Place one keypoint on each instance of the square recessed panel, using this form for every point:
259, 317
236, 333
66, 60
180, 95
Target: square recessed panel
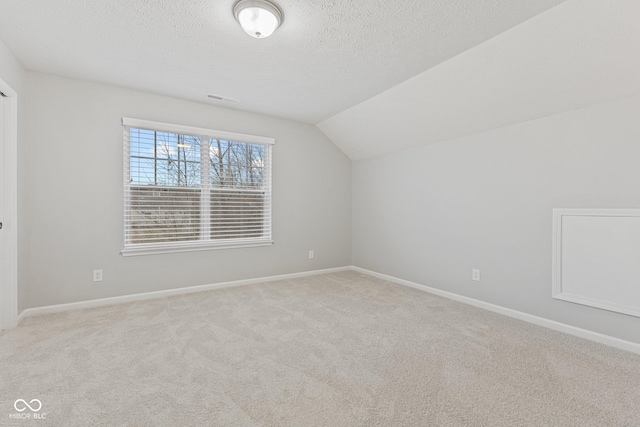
596, 258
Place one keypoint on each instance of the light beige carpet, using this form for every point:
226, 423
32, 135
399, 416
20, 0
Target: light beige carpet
340, 349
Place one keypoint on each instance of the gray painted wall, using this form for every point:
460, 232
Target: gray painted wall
431, 214
427, 215
74, 195
12, 72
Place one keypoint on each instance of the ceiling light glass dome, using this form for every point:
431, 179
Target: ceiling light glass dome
258, 18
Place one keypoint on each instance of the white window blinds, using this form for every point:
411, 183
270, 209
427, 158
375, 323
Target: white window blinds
190, 188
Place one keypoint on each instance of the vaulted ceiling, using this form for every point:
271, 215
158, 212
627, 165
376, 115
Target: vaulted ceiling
579, 53
376, 76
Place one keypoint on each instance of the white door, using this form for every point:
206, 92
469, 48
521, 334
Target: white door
1, 212
8, 208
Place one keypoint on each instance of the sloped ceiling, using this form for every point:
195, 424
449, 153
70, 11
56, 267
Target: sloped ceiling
579, 53
326, 57
376, 76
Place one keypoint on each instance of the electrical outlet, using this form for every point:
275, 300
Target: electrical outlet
97, 275
311, 255
475, 275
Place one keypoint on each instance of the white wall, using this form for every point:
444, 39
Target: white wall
12, 72
74, 195
10, 69
432, 213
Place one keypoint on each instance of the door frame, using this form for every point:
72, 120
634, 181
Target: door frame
9, 282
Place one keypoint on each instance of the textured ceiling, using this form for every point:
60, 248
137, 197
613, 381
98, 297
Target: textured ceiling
579, 53
327, 56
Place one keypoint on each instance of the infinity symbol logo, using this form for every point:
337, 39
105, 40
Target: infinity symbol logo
26, 405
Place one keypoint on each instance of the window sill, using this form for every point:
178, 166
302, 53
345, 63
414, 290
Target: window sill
136, 250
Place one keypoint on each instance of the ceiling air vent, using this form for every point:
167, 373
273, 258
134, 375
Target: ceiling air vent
221, 98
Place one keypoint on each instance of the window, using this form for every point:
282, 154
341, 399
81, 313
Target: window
189, 188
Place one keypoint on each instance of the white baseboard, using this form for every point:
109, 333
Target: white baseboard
540, 321
29, 312
23, 315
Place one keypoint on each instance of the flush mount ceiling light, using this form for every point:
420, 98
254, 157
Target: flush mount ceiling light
258, 18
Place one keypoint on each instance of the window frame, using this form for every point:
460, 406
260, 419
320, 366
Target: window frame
132, 249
